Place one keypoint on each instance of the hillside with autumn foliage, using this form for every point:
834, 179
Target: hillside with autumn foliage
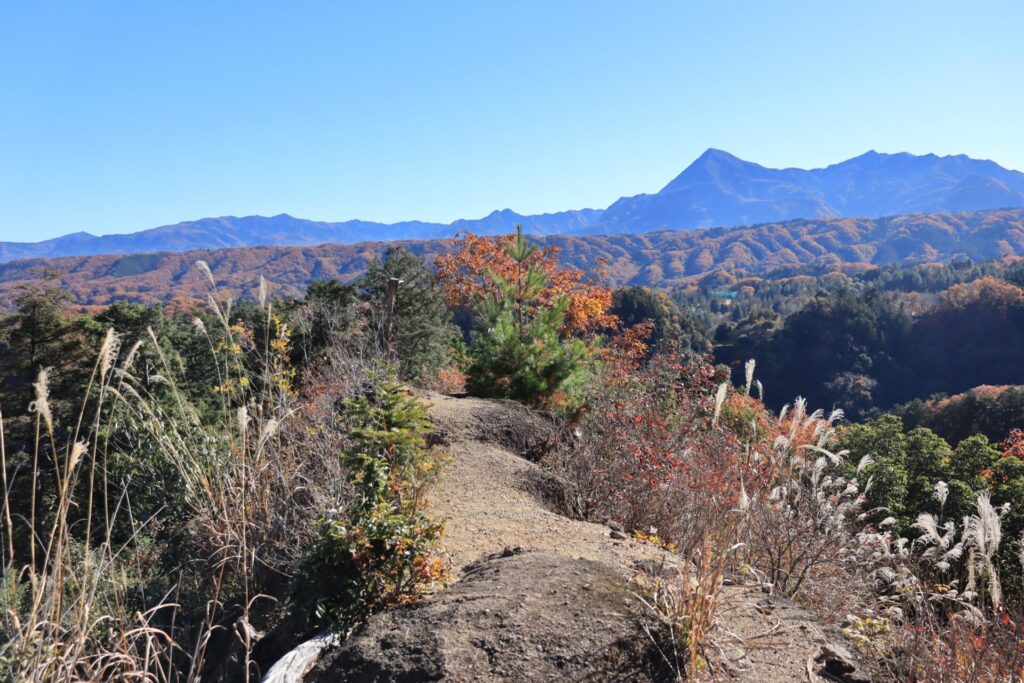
663, 259
299, 449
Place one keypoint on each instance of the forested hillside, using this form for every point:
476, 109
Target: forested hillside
281, 445
867, 341
663, 259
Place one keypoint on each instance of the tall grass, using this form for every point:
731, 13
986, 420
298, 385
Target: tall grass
67, 613
245, 485
738, 493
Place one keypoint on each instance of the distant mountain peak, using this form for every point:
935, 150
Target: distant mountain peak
720, 189
714, 165
714, 153
870, 154
715, 157
717, 189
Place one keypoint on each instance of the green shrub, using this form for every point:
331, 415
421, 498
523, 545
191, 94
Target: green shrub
682, 328
382, 550
517, 350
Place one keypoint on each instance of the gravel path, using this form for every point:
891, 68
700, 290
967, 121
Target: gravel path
539, 596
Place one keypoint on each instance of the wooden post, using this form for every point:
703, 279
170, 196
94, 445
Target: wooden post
389, 314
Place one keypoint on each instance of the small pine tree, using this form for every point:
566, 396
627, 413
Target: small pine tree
517, 351
383, 550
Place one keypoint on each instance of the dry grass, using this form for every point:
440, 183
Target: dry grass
797, 524
252, 481
685, 607
938, 648
733, 490
67, 614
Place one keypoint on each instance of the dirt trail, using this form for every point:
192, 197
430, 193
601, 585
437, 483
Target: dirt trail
489, 497
540, 596
493, 500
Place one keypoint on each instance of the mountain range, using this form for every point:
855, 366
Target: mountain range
664, 258
718, 189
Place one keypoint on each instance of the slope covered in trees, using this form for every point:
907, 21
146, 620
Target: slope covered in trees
664, 259
888, 336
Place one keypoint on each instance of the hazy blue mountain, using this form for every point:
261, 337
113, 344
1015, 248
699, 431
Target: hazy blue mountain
285, 230
718, 189
563, 222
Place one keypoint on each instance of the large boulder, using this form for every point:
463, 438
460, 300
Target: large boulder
516, 617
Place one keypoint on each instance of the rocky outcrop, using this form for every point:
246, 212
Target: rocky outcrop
503, 423
520, 617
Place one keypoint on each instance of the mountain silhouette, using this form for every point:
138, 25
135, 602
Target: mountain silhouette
719, 189
716, 190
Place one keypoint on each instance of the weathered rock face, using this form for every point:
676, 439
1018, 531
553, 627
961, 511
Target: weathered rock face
504, 423
518, 617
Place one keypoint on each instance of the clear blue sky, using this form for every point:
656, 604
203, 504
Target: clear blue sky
116, 117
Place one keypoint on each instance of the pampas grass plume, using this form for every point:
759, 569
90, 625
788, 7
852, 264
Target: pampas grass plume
723, 390
204, 268
41, 406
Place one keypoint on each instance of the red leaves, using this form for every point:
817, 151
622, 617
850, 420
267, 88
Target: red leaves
465, 274
655, 431
1013, 445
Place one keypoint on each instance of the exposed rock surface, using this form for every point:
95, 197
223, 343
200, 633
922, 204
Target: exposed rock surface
529, 616
500, 422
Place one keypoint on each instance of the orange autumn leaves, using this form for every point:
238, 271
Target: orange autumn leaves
985, 290
464, 275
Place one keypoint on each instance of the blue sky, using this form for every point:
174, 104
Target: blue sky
116, 117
